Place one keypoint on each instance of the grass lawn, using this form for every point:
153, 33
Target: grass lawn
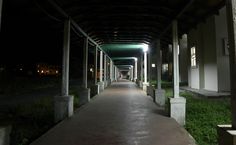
203, 115
31, 121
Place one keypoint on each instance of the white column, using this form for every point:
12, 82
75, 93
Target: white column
149, 72
111, 69
105, 69
132, 73
115, 73
101, 63
145, 67
63, 105
96, 64
141, 72
177, 103
175, 60
159, 63
159, 93
66, 59
85, 63
135, 69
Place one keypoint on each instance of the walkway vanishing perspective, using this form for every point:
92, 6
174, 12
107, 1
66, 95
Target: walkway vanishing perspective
121, 115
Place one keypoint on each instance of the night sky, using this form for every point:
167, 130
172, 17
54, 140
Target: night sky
27, 38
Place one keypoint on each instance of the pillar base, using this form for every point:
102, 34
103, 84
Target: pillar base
94, 90
226, 135
105, 84
177, 109
5, 135
140, 84
150, 91
63, 106
84, 96
160, 97
145, 86
101, 86
108, 82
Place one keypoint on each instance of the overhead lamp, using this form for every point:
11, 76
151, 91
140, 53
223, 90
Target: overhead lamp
145, 47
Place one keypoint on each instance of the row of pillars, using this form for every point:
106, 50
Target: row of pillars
64, 102
177, 103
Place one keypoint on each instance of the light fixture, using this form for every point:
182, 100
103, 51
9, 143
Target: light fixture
145, 47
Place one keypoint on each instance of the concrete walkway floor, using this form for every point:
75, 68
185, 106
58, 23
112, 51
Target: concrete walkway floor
121, 115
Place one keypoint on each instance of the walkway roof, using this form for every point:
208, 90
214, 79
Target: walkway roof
122, 22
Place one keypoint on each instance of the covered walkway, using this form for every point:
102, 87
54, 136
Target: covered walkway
121, 115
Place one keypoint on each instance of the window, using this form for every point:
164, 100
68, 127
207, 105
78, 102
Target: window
165, 68
193, 57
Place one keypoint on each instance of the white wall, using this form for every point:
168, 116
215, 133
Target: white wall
209, 49
204, 76
193, 78
212, 71
222, 59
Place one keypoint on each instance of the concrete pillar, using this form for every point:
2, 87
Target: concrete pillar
101, 83
145, 83
226, 133
85, 92
0, 13
85, 63
111, 70
149, 73
177, 103
5, 131
96, 85
96, 64
101, 64
145, 67
135, 69
131, 73
115, 73
105, 71
64, 104
159, 98
141, 72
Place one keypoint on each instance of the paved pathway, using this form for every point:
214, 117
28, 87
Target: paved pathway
121, 115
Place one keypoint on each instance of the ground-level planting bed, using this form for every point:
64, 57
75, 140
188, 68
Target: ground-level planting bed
32, 120
203, 116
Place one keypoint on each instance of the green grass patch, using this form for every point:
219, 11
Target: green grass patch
203, 116
31, 121
19, 85
74, 91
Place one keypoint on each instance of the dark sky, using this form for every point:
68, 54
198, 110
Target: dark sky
28, 38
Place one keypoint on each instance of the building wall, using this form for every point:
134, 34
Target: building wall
204, 75
222, 58
193, 78
209, 49
212, 71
